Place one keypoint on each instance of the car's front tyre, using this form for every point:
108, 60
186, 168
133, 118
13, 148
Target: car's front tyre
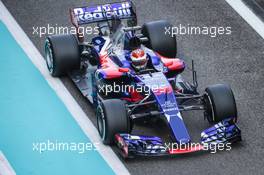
112, 118
219, 103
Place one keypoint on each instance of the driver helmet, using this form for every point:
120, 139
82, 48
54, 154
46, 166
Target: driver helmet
138, 59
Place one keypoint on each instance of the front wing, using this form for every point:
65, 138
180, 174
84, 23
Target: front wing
223, 132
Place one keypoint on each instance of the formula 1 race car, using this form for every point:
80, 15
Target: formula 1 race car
130, 73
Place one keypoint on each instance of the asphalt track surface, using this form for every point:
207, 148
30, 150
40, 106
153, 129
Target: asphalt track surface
236, 59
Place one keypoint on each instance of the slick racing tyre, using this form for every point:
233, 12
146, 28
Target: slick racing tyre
219, 103
159, 40
111, 119
62, 54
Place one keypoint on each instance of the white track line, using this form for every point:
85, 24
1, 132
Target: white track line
5, 167
56, 84
248, 16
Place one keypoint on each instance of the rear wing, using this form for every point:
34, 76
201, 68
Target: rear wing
103, 12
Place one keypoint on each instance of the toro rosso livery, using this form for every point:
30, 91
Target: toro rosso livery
131, 74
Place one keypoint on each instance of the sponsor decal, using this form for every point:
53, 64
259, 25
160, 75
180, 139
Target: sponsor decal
97, 13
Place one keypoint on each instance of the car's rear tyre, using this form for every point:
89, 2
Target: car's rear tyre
111, 119
62, 54
219, 103
160, 40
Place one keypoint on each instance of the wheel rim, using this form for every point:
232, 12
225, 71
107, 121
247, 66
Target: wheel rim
49, 56
101, 122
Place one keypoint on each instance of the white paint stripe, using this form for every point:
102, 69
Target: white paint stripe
248, 16
56, 84
5, 167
